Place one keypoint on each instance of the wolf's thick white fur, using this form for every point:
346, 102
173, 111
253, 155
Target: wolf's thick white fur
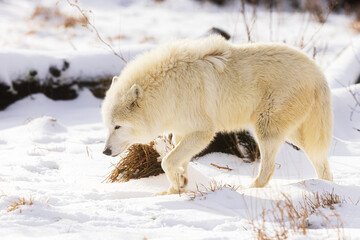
194, 88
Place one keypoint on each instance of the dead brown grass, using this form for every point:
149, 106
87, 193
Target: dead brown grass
59, 18
202, 190
20, 202
324, 200
46, 12
289, 217
147, 39
116, 38
141, 161
30, 32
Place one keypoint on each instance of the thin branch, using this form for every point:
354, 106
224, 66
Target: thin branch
270, 19
355, 54
355, 97
338, 55
244, 19
220, 167
311, 39
93, 28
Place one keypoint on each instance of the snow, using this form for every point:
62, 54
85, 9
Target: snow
30, 43
51, 151
17, 63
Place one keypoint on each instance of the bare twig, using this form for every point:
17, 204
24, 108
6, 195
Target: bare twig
299, 40
220, 167
357, 101
338, 55
355, 54
254, 15
312, 38
314, 52
270, 19
74, 3
355, 96
248, 32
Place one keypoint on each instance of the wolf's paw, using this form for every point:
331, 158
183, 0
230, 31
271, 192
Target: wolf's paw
162, 193
257, 184
177, 177
170, 191
253, 185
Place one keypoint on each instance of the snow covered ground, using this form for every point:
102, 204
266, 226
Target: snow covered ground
51, 151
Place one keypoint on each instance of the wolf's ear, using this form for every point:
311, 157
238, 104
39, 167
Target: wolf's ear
114, 80
135, 92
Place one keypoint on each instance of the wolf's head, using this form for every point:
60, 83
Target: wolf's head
122, 115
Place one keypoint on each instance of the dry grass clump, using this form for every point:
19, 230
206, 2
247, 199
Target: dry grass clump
203, 190
289, 217
141, 161
59, 18
324, 200
20, 202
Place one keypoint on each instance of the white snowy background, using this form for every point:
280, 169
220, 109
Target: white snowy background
51, 151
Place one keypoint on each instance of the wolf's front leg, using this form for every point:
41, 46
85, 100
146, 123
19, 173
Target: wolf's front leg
176, 162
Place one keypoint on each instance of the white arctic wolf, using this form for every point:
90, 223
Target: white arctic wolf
194, 88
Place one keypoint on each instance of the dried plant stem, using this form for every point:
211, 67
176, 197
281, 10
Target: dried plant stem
312, 38
20, 201
270, 19
93, 28
355, 96
220, 167
248, 32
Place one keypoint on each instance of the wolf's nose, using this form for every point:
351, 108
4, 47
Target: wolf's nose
107, 151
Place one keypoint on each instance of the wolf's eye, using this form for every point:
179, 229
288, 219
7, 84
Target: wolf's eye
117, 127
